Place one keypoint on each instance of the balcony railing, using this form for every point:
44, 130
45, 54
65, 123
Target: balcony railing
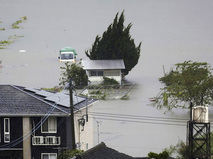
46, 140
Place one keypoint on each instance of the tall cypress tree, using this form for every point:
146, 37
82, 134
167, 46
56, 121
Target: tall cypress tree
116, 43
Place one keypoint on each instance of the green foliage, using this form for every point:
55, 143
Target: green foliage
182, 150
162, 155
125, 97
54, 89
109, 81
189, 82
69, 154
11, 39
15, 25
1, 28
116, 43
76, 73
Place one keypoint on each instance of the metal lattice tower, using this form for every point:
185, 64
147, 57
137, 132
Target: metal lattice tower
199, 140
199, 133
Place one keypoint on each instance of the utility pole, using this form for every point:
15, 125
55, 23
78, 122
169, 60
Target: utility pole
72, 116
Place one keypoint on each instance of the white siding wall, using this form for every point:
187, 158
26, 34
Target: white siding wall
115, 74
84, 135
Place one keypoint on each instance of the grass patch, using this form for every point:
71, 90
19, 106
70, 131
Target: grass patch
10, 40
1, 28
16, 24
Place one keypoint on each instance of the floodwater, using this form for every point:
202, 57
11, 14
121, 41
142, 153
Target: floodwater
170, 31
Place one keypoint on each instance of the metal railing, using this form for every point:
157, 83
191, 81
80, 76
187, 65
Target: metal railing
46, 140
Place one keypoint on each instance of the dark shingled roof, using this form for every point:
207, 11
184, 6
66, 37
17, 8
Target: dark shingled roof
17, 101
101, 151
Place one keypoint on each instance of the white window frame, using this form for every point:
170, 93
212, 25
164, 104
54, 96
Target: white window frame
8, 128
48, 155
48, 127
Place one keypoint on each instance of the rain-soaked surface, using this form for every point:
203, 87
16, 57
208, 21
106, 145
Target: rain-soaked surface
170, 31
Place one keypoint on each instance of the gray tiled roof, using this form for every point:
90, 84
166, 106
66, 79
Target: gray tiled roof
101, 151
16, 101
103, 64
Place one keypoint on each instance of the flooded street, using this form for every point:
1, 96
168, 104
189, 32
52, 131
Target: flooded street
170, 31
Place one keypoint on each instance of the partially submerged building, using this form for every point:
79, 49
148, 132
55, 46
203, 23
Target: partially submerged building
97, 69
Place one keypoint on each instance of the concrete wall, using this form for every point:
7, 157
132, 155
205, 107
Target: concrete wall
26, 141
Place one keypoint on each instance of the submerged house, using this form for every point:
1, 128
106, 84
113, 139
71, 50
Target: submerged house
36, 124
97, 69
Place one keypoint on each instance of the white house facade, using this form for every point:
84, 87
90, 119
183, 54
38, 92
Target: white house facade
97, 69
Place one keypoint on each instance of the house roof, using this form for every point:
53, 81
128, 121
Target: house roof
21, 101
103, 64
103, 152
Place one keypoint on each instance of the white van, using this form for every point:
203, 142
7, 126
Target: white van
67, 54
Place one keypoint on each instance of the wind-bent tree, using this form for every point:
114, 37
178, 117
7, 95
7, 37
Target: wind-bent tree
76, 73
116, 43
190, 82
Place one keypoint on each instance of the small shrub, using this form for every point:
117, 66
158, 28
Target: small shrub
109, 81
162, 155
69, 154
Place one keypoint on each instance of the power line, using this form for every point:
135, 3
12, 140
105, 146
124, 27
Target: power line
138, 116
142, 122
140, 119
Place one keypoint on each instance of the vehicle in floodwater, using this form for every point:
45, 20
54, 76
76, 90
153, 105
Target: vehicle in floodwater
67, 54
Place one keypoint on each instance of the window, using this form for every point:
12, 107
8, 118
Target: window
67, 56
48, 156
96, 73
6, 130
50, 125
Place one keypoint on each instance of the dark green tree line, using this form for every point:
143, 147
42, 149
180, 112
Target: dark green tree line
116, 43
